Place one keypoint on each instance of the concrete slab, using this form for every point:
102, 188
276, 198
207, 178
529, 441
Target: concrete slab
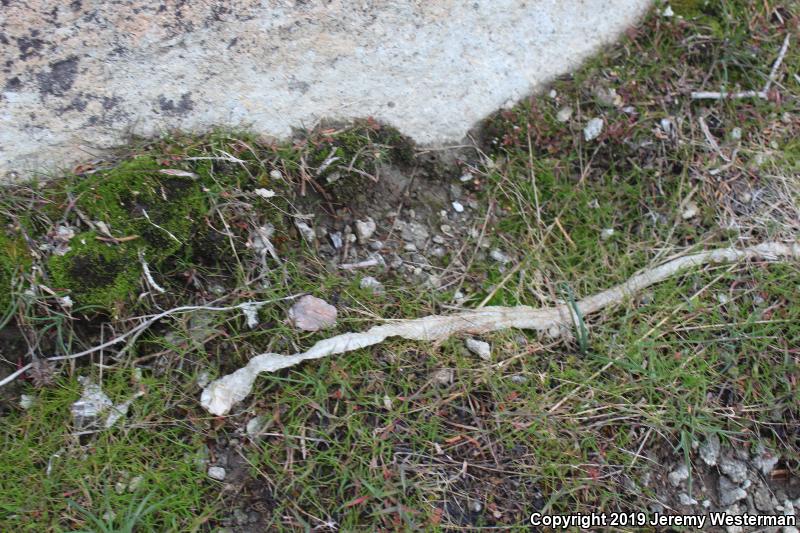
77, 77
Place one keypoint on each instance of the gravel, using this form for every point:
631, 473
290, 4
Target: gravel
709, 450
730, 492
365, 229
678, 476
734, 469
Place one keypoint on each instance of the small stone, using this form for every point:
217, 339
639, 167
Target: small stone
443, 376
519, 379
736, 134
685, 499
25, 401
593, 129
607, 233
709, 450
735, 470
217, 472
414, 232
480, 348
690, 211
438, 239
438, 251
729, 492
764, 460
312, 314
458, 207
135, 483
564, 114
375, 245
678, 476
762, 498
275, 174
255, 426
336, 239
410, 247
372, 284
476, 507
499, 256
306, 231
608, 97
365, 229
667, 12
265, 193
666, 125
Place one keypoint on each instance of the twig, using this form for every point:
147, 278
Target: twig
773, 74
138, 330
762, 94
221, 395
371, 262
724, 95
149, 277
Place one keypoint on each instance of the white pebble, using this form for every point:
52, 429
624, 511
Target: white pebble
480, 348
593, 129
217, 472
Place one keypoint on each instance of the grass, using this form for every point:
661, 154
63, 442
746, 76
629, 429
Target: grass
414, 436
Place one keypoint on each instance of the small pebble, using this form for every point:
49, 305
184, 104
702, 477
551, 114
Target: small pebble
480, 348
593, 129
217, 472
458, 207
365, 229
564, 114
499, 256
372, 284
691, 211
679, 475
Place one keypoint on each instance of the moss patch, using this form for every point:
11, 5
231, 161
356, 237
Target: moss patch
6, 271
347, 161
96, 272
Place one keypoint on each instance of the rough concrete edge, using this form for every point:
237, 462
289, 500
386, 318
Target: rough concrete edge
445, 151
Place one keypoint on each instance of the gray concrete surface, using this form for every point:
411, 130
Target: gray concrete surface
79, 76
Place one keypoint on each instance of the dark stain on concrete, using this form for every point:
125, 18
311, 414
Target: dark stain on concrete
181, 107
59, 79
110, 102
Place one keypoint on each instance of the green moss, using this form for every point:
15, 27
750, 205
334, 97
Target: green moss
6, 272
13, 257
149, 211
135, 198
688, 8
96, 272
346, 160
